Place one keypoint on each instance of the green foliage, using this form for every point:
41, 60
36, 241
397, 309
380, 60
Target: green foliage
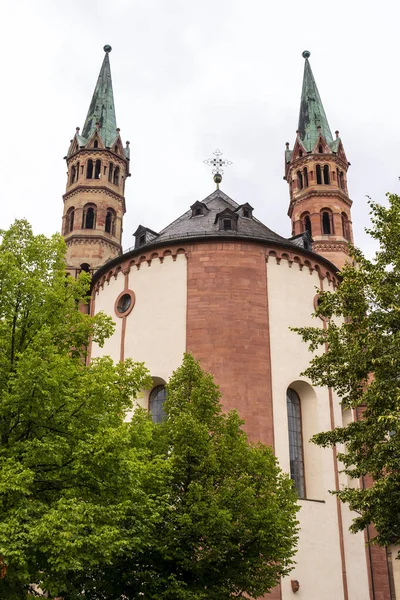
95, 508
362, 363
65, 451
228, 527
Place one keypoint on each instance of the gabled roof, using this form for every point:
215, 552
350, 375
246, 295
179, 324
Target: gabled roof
312, 113
102, 109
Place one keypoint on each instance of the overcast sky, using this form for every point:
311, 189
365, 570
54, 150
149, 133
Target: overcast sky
190, 76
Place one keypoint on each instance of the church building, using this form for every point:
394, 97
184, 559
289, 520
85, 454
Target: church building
217, 282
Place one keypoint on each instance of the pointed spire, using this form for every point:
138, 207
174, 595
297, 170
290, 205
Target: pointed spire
102, 109
312, 114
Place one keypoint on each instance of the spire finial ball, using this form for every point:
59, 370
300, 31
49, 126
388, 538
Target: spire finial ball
306, 54
107, 48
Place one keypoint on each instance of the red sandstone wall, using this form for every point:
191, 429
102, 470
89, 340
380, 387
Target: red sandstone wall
228, 330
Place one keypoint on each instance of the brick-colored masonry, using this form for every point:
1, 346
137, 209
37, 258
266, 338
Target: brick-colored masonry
228, 331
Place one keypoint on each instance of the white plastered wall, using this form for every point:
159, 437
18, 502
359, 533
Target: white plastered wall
291, 293
156, 327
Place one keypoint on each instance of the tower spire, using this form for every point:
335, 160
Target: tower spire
312, 114
102, 110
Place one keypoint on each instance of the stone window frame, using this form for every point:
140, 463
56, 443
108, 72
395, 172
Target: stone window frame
127, 292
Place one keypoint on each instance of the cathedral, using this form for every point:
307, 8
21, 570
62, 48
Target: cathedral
220, 284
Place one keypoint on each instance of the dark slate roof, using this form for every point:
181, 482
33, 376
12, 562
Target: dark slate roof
204, 225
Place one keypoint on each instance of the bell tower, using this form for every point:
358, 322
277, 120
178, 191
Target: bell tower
316, 171
98, 165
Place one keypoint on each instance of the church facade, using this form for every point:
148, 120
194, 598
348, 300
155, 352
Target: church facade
220, 284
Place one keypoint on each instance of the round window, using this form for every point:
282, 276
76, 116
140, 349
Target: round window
124, 303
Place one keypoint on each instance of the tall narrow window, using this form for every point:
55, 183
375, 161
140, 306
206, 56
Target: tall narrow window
110, 172
326, 223
110, 221
97, 170
116, 176
295, 442
299, 180
77, 171
305, 177
319, 174
307, 224
341, 179
69, 220
157, 398
95, 144
89, 217
89, 169
345, 227
320, 149
326, 175
73, 174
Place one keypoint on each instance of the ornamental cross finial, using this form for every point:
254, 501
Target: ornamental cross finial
217, 165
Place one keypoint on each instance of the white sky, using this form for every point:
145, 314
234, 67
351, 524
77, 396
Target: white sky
189, 77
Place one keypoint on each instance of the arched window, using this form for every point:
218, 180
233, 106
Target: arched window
110, 221
85, 267
157, 398
77, 171
295, 442
89, 169
345, 227
326, 175
327, 225
305, 177
319, 174
69, 220
300, 153
116, 176
95, 144
116, 148
110, 172
299, 180
73, 174
89, 217
97, 170
341, 180
307, 224
320, 149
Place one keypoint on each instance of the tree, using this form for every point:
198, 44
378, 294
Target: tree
362, 363
228, 529
65, 452
96, 508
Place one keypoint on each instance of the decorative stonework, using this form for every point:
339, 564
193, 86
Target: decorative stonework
126, 264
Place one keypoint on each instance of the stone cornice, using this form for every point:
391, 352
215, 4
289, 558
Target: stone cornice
94, 190
137, 256
310, 193
96, 239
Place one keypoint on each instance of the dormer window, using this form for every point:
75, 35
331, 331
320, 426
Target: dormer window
144, 235
227, 224
198, 209
245, 210
227, 220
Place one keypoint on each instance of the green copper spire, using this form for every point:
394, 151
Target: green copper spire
102, 109
312, 112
